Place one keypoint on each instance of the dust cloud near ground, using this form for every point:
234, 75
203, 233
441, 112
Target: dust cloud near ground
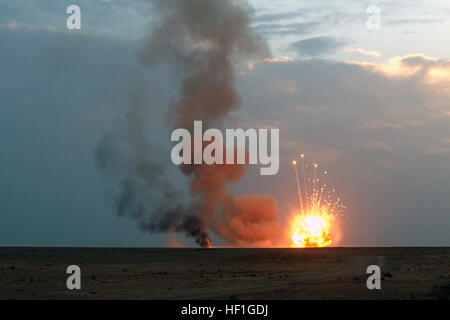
219, 273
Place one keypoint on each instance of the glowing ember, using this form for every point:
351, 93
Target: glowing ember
318, 206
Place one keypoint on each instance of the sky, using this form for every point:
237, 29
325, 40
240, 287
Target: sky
370, 106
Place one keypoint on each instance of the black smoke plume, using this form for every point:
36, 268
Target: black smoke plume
201, 41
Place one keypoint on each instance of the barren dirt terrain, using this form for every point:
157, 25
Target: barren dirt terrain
190, 273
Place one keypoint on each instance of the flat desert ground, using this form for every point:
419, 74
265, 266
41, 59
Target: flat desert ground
222, 273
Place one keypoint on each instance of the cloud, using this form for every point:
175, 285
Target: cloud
370, 53
281, 59
317, 45
122, 19
278, 29
428, 70
378, 145
13, 25
412, 21
381, 129
53, 86
278, 59
358, 105
382, 138
277, 16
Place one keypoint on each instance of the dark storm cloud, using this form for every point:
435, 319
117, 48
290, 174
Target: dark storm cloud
317, 45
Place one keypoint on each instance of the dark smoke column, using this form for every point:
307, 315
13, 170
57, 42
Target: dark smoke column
202, 40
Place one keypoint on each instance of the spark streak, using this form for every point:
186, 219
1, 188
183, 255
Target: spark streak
298, 186
311, 227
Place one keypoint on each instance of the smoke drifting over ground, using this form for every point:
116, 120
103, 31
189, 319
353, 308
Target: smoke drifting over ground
201, 41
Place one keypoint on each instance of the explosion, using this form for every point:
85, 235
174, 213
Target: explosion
201, 52
311, 231
312, 226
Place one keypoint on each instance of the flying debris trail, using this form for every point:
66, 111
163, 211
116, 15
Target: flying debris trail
299, 189
201, 41
302, 156
316, 201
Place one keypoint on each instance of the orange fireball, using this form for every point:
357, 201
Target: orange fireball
311, 231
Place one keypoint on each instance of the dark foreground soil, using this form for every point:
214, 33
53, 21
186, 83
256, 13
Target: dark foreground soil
189, 273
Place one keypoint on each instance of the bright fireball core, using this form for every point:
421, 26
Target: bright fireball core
311, 231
